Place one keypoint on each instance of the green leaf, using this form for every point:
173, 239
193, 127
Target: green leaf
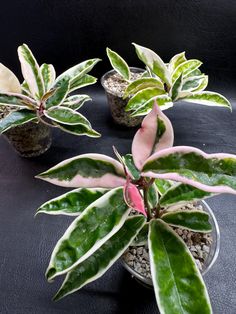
176, 88
154, 62
209, 99
164, 102
214, 173
186, 68
182, 193
17, 100
31, 71
72, 203
118, 64
196, 72
88, 170
25, 89
76, 101
193, 83
97, 264
141, 84
82, 82
142, 236
88, 232
16, 118
129, 162
48, 74
152, 196
203, 84
178, 285
176, 61
141, 98
163, 185
66, 116
192, 220
78, 130
78, 71
62, 90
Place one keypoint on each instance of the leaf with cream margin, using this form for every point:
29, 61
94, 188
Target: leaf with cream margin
16, 118
79, 129
48, 74
142, 236
214, 173
88, 232
75, 102
141, 84
208, 99
176, 61
72, 203
176, 88
88, 170
118, 64
9, 83
62, 89
181, 193
178, 284
156, 133
83, 81
154, 62
133, 198
17, 100
31, 71
193, 83
163, 185
97, 264
186, 68
129, 163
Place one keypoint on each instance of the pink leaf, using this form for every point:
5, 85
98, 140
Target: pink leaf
133, 197
147, 140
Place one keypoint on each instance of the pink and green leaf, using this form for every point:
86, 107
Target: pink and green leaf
133, 198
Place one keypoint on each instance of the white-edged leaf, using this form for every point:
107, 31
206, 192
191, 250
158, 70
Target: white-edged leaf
9, 83
118, 64
48, 74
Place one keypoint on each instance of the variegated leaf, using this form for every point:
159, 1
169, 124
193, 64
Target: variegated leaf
155, 134
176, 88
88, 170
83, 81
31, 71
88, 232
193, 83
8, 81
141, 84
186, 68
48, 74
118, 64
131, 168
163, 185
76, 101
133, 198
214, 173
16, 118
176, 61
78, 129
60, 94
17, 100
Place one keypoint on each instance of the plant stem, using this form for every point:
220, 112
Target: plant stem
145, 197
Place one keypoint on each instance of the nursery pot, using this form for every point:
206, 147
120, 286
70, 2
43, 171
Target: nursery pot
30, 139
209, 262
115, 98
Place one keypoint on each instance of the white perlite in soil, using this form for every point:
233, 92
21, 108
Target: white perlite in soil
198, 243
3, 111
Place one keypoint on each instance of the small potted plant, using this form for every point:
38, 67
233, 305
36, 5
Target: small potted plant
115, 83
29, 110
117, 204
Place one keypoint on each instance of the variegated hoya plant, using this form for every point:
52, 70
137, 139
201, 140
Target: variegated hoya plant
149, 182
44, 97
180, 79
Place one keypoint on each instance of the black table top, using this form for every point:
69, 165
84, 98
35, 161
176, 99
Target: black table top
26, 242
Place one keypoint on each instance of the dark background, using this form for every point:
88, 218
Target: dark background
66, 32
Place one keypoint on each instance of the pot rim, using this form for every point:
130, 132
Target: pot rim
216, 249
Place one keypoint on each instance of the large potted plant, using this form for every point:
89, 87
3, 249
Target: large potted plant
117, 203
42, 101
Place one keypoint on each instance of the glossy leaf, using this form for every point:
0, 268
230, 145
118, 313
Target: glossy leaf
193, 83
31, 71
76, 101
133, 198
142, 236
186, 68
78, 130
97, 264
152, 196
25, 89
163, 185
17, 101
182, 193
72, 203
16, 118
82, 82
141, 84
88, 232
9, 83
214, 173
156, 133
66, 116
208, 99
194, 220
118, 64
88, 170
164, 102
178, 285
176, 88
129, 163
176, 61
62, 90
48, 74
141, 98
154, 62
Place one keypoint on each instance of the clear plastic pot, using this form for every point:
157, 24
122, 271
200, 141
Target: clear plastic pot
30, 139
211, 258
117, 104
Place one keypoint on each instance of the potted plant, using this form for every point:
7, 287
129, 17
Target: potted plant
152, 182
42, 101
115, 83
